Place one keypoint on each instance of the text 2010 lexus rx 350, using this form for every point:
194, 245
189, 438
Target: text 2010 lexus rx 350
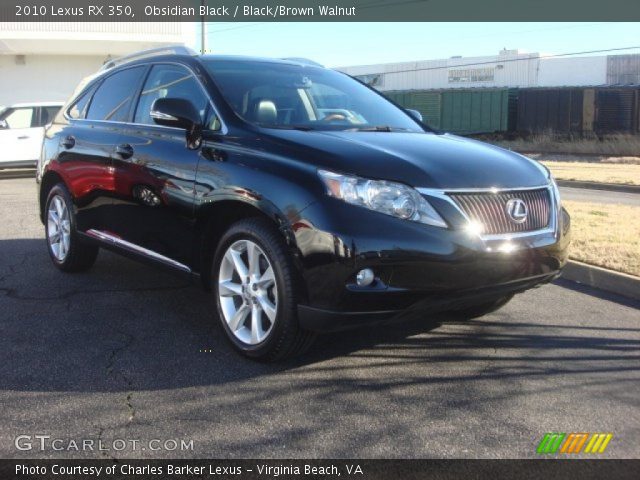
304, 200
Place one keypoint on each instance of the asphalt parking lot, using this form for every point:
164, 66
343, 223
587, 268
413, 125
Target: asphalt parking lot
130, 352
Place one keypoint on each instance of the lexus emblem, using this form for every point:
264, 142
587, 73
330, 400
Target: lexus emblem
517, 210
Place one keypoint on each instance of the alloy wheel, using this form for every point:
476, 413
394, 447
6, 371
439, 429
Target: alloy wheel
59, 228
247, 292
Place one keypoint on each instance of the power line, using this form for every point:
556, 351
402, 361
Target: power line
521, 32
378, 3
510, 60
259, 24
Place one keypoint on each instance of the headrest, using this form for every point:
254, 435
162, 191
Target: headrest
265, 112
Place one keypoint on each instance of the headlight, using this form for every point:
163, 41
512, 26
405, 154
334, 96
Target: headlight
392, 198
556, 191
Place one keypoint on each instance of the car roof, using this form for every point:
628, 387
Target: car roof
250, 59
36, 104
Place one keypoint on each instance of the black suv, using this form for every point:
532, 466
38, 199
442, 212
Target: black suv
303, 199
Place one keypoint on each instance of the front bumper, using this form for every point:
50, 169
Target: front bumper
418, 268
322, 320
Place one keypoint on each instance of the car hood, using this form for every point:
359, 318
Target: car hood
418, 159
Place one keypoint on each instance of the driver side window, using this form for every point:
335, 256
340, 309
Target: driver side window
19, 118
172, 81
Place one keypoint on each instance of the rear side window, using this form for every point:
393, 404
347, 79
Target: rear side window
47, 114
79, 108
112, 100
169, 81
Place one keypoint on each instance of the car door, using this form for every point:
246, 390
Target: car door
88, 144
155, 171
19, 136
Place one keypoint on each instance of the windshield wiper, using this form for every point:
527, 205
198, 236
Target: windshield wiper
303, 128
378, 128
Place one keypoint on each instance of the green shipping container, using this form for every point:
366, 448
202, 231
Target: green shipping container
426, 102
478, 111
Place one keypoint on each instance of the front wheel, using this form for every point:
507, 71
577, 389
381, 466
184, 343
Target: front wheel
67, 250
255, 292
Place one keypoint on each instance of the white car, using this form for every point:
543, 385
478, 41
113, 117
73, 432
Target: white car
22, 131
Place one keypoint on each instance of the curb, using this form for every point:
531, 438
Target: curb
21, 173
603, 279
612, 187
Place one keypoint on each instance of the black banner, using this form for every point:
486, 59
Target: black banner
316, 10
348, 469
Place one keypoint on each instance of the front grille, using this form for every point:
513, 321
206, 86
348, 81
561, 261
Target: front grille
490, 210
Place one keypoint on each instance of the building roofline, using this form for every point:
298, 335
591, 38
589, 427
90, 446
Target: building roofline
35, 104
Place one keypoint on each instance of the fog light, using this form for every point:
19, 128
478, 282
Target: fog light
365, 277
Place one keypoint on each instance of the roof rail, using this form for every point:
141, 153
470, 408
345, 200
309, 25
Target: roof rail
169, 49
303, 61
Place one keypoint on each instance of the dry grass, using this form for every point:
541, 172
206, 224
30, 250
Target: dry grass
606, 235
572, 157
609, 145
626, 173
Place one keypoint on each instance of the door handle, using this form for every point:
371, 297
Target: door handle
23, 137
125, 150
68, 142
215, 154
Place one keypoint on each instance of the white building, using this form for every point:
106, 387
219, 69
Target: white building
44, 61
509, 68
572, 71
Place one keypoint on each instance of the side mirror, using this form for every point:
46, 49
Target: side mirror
175, 112
4, 125
415, 114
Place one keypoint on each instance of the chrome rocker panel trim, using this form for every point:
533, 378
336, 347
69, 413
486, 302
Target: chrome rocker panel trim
108, 238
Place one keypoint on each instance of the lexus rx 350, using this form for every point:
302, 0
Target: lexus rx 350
304, 200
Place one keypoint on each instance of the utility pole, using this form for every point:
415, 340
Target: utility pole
203, 31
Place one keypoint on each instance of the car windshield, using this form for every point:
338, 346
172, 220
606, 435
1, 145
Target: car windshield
281, 95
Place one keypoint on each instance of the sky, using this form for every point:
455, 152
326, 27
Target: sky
346, 44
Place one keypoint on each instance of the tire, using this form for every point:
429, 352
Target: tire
258, 313
482, 309
71, 253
